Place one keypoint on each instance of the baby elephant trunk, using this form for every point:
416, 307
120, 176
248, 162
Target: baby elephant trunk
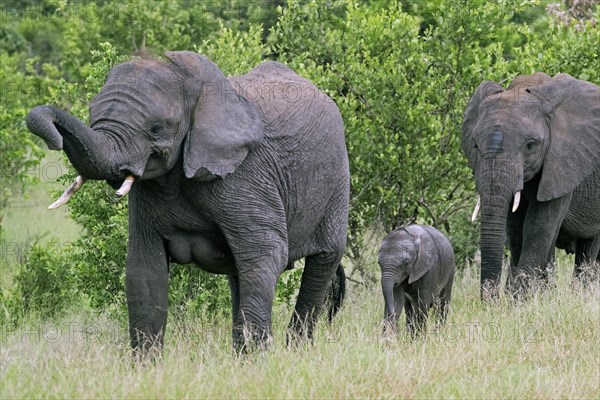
390, 318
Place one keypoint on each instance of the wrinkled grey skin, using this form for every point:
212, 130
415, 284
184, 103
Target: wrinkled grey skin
239, 175
417, 271
541, 136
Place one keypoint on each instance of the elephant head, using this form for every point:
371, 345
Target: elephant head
150, 114
539, 127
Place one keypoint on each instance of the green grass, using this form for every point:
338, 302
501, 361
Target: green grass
546, 347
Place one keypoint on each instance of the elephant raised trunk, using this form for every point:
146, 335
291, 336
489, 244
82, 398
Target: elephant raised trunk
87, 149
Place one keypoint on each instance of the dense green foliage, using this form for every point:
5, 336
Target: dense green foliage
400, 74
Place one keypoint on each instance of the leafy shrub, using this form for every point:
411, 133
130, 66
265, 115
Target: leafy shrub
44, 285
21, 87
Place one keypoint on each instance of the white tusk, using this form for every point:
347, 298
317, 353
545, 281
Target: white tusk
75, 186
126, 186
516, 201
476, 210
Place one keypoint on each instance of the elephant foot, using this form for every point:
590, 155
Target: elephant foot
146, 348
524, 285
251, 338
586, 275
149, 356
490, 291
300, 331
390, 328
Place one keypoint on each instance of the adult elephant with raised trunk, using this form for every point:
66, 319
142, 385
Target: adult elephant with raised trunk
240, 175
535, 153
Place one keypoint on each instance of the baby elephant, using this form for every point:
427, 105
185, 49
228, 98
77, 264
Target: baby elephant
417, 269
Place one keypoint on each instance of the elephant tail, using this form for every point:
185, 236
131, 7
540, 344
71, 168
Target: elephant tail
336, 293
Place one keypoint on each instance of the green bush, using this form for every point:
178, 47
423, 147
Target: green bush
44, 285
21, 87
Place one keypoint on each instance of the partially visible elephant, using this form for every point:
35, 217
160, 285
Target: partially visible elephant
587, 251
240, 175
537, 142
417, 271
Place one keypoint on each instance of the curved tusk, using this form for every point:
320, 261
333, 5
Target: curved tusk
126, 186
476, 210
516, 201
75, 186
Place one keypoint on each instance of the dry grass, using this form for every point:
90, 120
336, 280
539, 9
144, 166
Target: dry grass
547, 347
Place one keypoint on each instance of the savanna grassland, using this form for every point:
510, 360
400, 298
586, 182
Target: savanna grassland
546, 347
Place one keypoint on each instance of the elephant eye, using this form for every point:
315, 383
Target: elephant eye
531, 144
156, 128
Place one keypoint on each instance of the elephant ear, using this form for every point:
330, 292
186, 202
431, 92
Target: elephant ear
573, 110
224, 125
424, 262
470, 119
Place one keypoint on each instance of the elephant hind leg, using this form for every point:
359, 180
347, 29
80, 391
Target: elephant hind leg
444, 301
587, 251
319, 270
336, 293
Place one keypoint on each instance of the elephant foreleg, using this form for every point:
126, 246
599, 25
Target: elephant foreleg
514, 231
417, 310
540, 231
147, 289
258, 269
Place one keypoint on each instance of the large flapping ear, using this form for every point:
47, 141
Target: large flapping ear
224, 127
425, 259
573, 109
471, 118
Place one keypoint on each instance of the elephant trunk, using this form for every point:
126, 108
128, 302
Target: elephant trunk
89, 151
388, 279
500, 181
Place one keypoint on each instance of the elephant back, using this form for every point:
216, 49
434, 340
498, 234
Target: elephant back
290, 104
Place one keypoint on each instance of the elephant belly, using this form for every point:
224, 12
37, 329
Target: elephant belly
206, 253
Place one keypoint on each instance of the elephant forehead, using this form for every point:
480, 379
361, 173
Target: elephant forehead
507, 115
145, 76
401, 241
137, 91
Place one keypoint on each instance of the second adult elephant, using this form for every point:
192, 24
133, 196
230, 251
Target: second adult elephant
240, 175
535, 153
